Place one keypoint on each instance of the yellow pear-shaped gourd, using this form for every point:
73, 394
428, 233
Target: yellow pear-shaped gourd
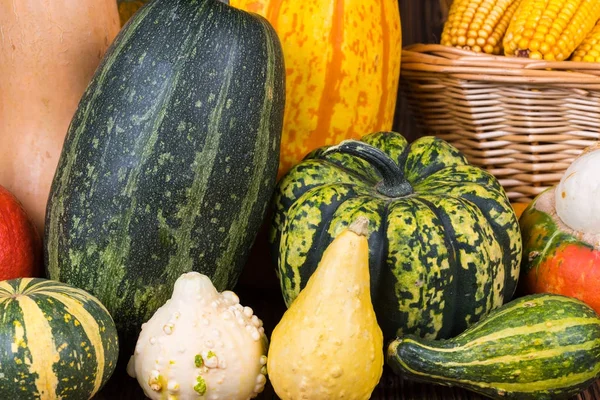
328, 344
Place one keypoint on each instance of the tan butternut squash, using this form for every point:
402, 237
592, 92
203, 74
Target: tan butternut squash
49, 50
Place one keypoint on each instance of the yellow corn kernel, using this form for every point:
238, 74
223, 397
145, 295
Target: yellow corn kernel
550, 29
478, 25
589, 49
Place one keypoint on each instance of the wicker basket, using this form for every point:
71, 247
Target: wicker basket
522, 120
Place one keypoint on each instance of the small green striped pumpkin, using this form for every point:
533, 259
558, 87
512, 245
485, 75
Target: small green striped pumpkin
59, 342
537, 347
444, 241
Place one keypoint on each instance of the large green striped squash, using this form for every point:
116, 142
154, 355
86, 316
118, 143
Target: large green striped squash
444, 240
536, 347
171, 159
58, 342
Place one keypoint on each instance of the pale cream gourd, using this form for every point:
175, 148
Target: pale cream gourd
577, 195
49, 51
328, 344
201, 344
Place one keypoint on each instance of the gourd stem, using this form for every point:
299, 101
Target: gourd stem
360, 226
394, 183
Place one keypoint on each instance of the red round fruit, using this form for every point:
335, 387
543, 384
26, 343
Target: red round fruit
20, 244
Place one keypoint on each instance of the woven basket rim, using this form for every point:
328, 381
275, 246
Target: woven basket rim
467, 65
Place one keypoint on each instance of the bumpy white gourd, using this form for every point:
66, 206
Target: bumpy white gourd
578, 193
201, 344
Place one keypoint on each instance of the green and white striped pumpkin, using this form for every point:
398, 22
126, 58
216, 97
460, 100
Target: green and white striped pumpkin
58, 342
538, 347
444, 241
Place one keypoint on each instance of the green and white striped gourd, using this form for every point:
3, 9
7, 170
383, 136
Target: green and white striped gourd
58, 342
538, 347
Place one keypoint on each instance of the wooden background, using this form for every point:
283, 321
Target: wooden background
426, 17
259, 288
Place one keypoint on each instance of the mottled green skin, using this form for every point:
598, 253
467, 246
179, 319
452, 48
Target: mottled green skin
76, 368
440, 258
540, 346
171, 159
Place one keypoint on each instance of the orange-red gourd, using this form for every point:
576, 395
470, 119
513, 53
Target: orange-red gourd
561, 235
20, 245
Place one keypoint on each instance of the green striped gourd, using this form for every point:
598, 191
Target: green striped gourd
58, 342
170, 160
540, 347
444, 241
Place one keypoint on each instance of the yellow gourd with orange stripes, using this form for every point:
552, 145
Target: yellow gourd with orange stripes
343, 66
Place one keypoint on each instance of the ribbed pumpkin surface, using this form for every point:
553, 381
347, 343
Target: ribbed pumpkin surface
58, 342
441, 256
171, 159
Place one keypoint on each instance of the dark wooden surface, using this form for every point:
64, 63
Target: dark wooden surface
390, 388
259, 289
269, 306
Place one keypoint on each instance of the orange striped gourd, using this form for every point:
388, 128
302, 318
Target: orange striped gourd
550, 29
343, 66
478, 25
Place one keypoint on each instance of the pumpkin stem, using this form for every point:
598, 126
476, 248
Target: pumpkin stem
393, 184
224, 1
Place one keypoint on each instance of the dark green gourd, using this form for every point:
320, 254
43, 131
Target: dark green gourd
537, 347
171, 158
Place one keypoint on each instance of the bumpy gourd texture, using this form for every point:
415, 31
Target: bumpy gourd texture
440, 258
328, 344
201, 343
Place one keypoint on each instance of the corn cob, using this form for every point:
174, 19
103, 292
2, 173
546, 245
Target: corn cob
478, 25
589, 49
550, 29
